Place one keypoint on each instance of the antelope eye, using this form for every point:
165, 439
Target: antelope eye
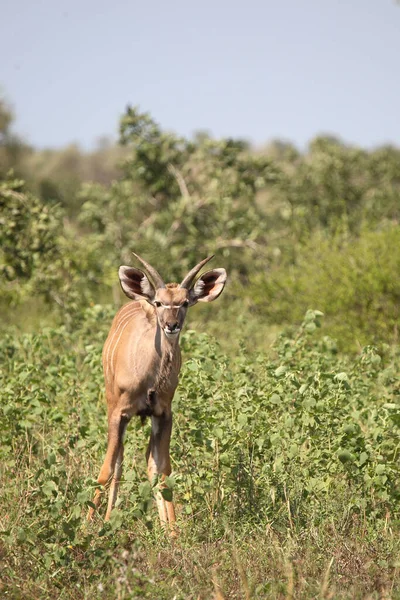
157, 303
185, 303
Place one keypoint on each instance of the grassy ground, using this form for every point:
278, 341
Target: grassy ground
285, 474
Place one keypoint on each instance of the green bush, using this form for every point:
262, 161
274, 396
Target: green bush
294, 230
41, 257
352, 280
293, 443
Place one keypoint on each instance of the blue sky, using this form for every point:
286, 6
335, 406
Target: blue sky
260, 69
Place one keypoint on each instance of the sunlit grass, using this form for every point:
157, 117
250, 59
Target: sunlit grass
268, 503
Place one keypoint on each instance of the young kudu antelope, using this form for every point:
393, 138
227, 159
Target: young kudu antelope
141, 363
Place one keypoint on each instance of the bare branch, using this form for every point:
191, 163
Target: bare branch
180, 181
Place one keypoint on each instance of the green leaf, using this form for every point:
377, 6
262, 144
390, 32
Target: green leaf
170, 481
192, 366
341, 377
275, 399
280, 371
345, 456
242, 419
166, 493
145, 490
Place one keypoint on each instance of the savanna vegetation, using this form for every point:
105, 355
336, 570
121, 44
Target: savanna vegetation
286, 438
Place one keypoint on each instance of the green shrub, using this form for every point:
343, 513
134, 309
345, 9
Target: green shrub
303, 444
353, 281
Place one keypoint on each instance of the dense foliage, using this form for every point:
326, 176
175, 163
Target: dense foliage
286, 441
295, 231
298, 449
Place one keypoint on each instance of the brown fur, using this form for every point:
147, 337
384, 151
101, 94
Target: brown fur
141, 364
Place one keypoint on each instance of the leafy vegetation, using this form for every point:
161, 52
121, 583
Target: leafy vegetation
286, 225
286, 434
296, 453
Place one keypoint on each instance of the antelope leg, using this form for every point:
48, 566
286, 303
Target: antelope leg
158, 463
112, 466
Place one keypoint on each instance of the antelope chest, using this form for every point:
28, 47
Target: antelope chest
149, 386
141, 367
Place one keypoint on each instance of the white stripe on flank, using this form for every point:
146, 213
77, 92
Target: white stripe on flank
108, 342
127, 308
122, 319
119, 337
111, 347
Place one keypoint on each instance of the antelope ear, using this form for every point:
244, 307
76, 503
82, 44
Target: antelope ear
208, 287
135, 284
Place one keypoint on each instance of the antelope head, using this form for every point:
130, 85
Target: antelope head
171, 300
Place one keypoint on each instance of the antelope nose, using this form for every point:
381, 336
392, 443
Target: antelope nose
172, 326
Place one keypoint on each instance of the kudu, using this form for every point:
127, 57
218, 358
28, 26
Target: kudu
141, 363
